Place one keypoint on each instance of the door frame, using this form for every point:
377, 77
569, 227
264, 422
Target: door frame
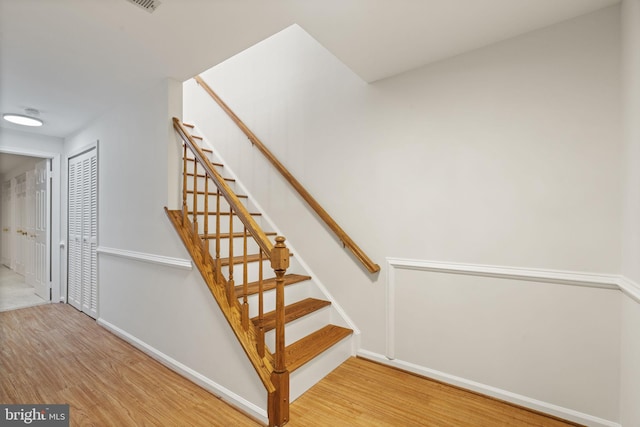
55, 271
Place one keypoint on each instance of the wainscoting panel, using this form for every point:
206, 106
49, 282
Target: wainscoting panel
546, 337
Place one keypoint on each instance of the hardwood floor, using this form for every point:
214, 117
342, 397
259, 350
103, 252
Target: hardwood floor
54, 354
365, 393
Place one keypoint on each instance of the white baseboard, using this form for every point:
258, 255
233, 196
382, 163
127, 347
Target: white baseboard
507, 396
204, 382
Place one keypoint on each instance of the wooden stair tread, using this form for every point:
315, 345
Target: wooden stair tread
240, 259
199, 138
292, 312
235, 235
307, 348
224, 213
213, 163
201, 175
201, 192
269, 284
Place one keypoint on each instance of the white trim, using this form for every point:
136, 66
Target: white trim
57, 292
630, 288
507, 396
82, 150
180, 263
196, 377
28, 152
561, 277
391, 311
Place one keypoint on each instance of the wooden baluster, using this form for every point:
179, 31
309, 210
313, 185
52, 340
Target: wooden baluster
230, 284
245, 289
279, 400
195, 201
218, 273
280, 263
260, 309
184, 184
205, 242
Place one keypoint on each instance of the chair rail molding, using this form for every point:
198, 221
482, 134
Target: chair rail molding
180, 263
559, 277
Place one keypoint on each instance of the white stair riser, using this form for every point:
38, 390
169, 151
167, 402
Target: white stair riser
308, 375
224, 206
238, 247
301, 327
199, 184
238, 226
252, 271
292, 293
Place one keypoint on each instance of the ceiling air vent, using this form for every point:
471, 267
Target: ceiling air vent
148, 5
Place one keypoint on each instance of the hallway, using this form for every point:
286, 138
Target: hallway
14, 291
55, 353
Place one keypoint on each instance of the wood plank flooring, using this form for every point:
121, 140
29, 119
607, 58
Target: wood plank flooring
54, 354
364, 393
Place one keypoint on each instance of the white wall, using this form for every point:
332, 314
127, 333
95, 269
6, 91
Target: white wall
16, 142
28, 165
508, 155
630, 317
162, 308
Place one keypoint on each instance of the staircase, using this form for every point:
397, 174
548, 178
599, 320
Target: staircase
280, 320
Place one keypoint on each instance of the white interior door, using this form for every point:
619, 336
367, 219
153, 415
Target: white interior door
7, 223
19, 188
30, 229
83, 233
42, 219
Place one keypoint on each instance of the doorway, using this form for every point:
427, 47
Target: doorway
25, 216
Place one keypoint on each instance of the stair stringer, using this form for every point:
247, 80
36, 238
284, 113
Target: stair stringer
311, 373
262, 365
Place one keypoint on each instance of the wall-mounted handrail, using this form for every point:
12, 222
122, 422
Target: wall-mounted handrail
244, 215
340, 233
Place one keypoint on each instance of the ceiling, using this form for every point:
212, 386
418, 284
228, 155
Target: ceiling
74, 59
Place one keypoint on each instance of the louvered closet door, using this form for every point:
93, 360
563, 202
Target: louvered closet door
83, 233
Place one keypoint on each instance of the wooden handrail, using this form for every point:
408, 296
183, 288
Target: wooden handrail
252, 227
340, 233
271, 367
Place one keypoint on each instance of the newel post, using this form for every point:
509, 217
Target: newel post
279, 400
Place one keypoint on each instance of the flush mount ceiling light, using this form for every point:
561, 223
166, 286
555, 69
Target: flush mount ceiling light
24, 120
